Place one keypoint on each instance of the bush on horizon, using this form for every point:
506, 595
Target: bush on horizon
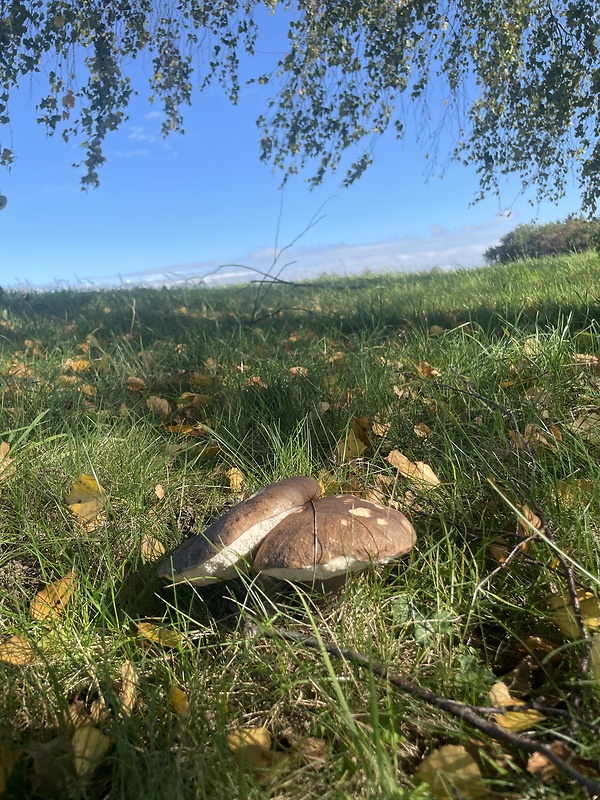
572, 235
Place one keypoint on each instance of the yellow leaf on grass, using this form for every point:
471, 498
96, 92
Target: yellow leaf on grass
158, 634
563, 615
450, 772
422, 430
151, 548
523, 529
77, 364
159, 491
195, 400
253, 749
50, 602
89, 748
425, 370
178, 701
158, 406
6, 463
17, 652
513, 721
128, 687
350, 447
236, 480
420, 474
135, 384
86, 501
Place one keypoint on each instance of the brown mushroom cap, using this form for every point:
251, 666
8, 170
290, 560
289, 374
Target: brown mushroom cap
218, 552
333, 536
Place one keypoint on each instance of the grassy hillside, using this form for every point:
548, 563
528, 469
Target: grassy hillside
178, 403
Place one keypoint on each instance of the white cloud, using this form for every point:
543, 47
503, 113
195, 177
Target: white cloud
141, 133
141, 152
447, 249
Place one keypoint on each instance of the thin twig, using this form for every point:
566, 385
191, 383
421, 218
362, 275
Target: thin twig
456, 709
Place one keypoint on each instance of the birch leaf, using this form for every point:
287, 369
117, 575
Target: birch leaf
51, 602
151, 549
420, 474
158, 634
17, 652
514, 721
450, 771
89, 748
179, 702
86, 501
563, 615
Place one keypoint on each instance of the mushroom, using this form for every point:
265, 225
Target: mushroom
331, 537
219, 552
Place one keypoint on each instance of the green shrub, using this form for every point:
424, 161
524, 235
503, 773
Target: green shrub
572, 235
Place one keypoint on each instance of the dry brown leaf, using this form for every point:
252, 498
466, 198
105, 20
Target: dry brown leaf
194, 431
587, 426
422, 430
524, 530
158, 634
539, 764
159, 491
6, 463
99, 712
179, 702
89, 748
420, 474
425, 370
77, 714
563, 615
158, 406
514, 721
127, 687
86, 501
194, 400
151, 549
451, 771
380, 428
301, 372
17, 652
135, 384
51, 602
588, 362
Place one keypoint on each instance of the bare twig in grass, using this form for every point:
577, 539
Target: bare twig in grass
471, 715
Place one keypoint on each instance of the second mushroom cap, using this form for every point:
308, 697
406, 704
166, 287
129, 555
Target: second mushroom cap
332, 536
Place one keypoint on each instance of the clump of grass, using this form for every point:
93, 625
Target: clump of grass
471, 355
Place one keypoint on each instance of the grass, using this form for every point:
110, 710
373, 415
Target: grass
279, 395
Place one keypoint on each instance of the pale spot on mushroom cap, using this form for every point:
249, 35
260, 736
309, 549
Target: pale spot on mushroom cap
381, 521
360, 512
344, 522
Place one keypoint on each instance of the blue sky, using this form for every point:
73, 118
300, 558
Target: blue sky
178, 208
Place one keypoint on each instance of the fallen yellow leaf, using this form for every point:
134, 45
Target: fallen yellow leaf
420, 474
151, 549
51, 602
127, 687
236, 479
6, 463
86, 500
158, 634
575, 491
89, 748
253, 749
514, 721
135, 384
450, 772
158, 406
17, 652
159, 491
563, 616
422, 430
179, 702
